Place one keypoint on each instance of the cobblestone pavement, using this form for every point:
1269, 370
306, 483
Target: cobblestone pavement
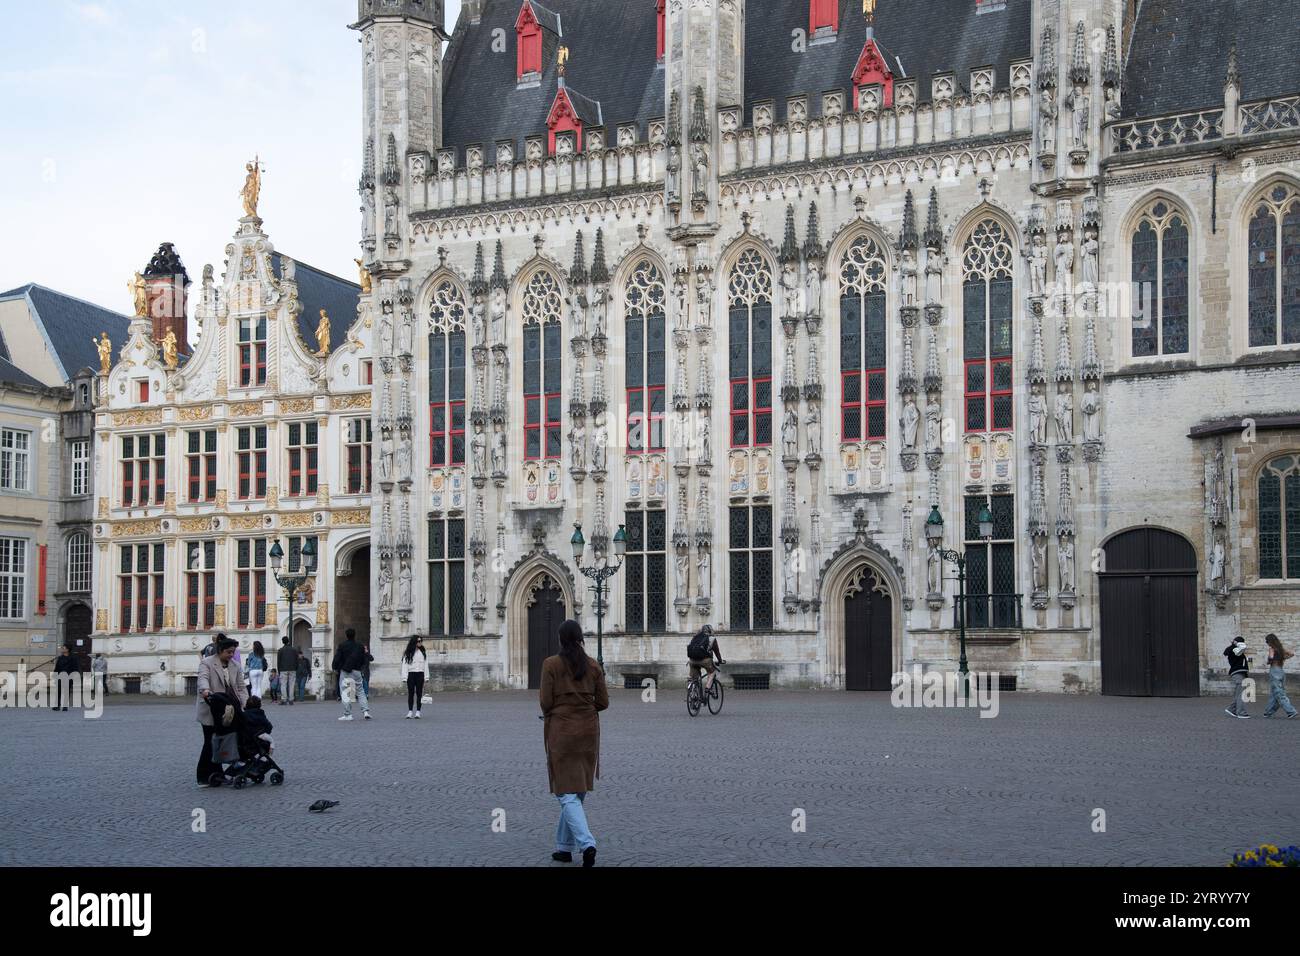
1179, 781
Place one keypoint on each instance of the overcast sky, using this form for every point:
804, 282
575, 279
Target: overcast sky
128, 123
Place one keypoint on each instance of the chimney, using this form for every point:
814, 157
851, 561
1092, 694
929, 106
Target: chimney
168, 281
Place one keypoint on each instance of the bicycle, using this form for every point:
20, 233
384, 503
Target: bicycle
697, 696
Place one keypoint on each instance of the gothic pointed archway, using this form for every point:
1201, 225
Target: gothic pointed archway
862, 622
538, 597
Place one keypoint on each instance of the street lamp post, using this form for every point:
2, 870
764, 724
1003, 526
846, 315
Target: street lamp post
934, 535
599, 573
289, 581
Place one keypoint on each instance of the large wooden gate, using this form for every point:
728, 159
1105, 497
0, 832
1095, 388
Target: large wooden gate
868, 637
1149, 616
546, 612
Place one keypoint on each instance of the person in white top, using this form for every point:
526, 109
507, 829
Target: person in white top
415, 668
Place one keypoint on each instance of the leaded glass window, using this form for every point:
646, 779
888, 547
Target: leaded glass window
1279, 519
647, 353
862, 341
750, 350
987, 297
1159, 249
446, 577
447, 376
543, 345
750, 542
1273, 242
991, 565
646, 597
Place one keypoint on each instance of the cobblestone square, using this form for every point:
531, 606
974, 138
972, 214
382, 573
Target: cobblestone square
879, 785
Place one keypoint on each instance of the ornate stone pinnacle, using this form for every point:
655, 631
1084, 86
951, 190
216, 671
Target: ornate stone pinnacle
790, 246
812, 244
1079, 71
499, 269
599, 271
1047, 60
933, 230
907, 239
578, 274
478, 284
699, 119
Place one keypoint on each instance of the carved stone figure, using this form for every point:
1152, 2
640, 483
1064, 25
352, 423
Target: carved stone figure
386, 330
599, 310
170, 357
1091, 249
404, 455
139, 295
1038, 551
1064, 417
1037, 418
1091, 406
790, 434
498, 316
933, 277
1038, 266
252, 190
813, 285
706, 440
578, 445
1217, 560
390, 211
933, 426
406, 337
682, 293
672, 184
478, 320
367, 214
405, 580
703, 571
480, 593
790, 565
790, 288
814, 424
911, 420
577, 317
703, 302
323, 335
700, 170
367, 282
599, 444
1080, 106
933, 570
499, 451
385, 588
1064, 262
907, 270
386, 456
479, 446
1065, 562
1047, 123
683, 573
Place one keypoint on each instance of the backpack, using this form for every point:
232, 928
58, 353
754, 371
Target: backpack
699, 647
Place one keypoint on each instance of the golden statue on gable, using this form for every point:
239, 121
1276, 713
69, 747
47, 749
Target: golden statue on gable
252, 190
323, 335
105, 349
367, 283
140, 295
169, 350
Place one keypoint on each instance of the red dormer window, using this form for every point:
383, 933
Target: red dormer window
659, 18
872, 71
528, 43
563, 119
823, 15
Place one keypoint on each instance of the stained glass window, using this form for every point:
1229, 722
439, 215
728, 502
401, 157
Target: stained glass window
446, 577
543, 345
1273, 270
447, 376
987, 302
991, 565
1279, 519
862, 341
1160, 274
647, 350
646, 596
750, 350
750, 542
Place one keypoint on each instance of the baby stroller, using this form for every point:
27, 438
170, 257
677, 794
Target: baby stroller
245, 758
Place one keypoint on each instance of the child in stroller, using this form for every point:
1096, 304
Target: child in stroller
242, 743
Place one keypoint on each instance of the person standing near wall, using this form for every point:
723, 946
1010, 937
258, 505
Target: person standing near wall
286, 660
415, 667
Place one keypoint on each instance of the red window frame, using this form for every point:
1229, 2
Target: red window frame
200, 590
135, 584
304, 461
444, 438
650, 422
255, 480
144, 391
987, 395
251, 587
823, 13
528, 43
753, 413
360, 456
863, 406
252, 356
137, 469
660, 30
543, 425
201, 468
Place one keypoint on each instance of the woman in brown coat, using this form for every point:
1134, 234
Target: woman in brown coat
573, 694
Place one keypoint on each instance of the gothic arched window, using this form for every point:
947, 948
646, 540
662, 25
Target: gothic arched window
1274, 269
986, 316
543, 345
1279, 519
1160, 282
750, 350
647, 358
862, 341
447, 376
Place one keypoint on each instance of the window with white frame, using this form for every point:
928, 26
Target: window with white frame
144, 469
987, 300
200, 584
15, 460
201, 464
80, 468
140, 587
250, 576
78, 555
303, 458
13, 579
358, 450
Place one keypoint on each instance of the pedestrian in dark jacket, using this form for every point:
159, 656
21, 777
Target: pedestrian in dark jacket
304, 674
1238, 668
286, 660
65, 665
350, 661
572, 696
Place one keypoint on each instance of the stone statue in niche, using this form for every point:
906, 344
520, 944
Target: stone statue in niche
498, 316
814, 424
480, 591
1064, 417
1037, 417
672, 179
790, 434
790, 565
385, 588
599, 307
703, 302
1038, 266
1091, 250
790, 287
599, 444
478, 319
907, 269
386, 330
1038, 551
1080, 106
706, 440
1065, 562
499, 451
683, 573
933, 277
404, 454
406, 336
577, 317
813, 284
682, 293
1091, 406
386, 455
390, 211
479, 447
1047, 123
700, 170
1217, 565
911, 421
933, 426
933, 571
405, 581
578, 445
367, 214
1064, 262
703, 572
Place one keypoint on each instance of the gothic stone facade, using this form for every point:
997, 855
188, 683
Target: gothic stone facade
771, 336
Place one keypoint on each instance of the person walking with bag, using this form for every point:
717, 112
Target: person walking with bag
349, 660
257, 670
218, 674
572, 695
286, 659
1277, 658
1238, 668
415, 667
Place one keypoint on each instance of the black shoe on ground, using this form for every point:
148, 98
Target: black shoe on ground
562, 856
589, 856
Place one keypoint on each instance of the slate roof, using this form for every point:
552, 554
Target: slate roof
1178, 55
946, 36
611, 59
319, 290
70, 325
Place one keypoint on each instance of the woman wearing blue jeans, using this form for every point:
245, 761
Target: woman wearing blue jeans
572, 696
1277, 657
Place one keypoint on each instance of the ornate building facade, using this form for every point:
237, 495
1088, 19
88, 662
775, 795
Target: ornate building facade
205, 457
775, 287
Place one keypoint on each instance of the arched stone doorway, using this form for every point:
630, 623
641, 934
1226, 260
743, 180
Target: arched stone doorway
1148, 595
352, 593
862, 619
78, 622
539, 598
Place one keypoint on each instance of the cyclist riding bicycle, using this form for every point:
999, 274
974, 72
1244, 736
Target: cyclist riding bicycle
702, 651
